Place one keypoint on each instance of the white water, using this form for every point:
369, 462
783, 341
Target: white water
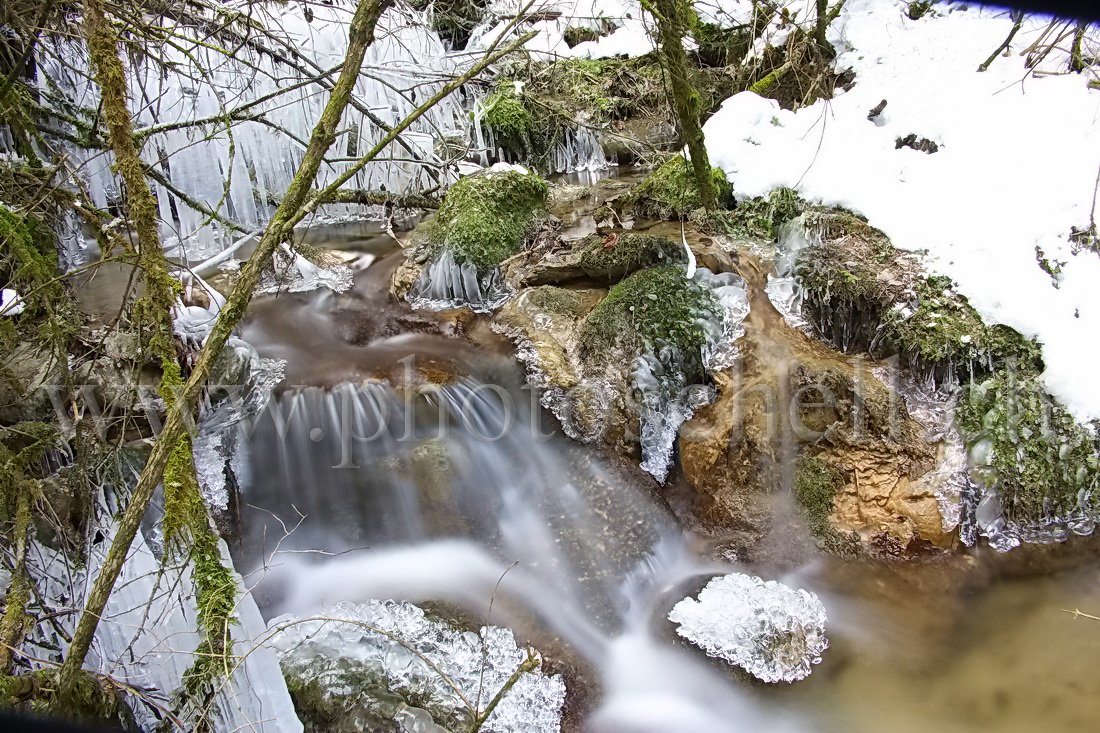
596, 561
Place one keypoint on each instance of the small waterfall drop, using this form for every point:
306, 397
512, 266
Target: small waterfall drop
459, 495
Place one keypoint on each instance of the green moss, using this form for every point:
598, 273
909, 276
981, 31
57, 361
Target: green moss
94, 701
944, 327
718, 46
650, 309
863, 293
511, 124
1041, 460
554, 300
815, 486
758, 217
28, 261
630, 253
670, 191
186, 521
485, 217
918, 8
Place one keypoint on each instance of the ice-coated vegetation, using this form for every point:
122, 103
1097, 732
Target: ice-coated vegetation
412, 666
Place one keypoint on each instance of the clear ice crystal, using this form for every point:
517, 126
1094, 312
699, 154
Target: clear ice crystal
771, 630
446, 284
478, 664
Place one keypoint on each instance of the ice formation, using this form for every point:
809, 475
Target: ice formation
445, 284
660, 376
771, 630
10, 303
395, 651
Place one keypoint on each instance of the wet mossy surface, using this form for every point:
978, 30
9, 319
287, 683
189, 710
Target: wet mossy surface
815, 486
670, 191
511, 124
485, 217
627, 253
650, 309
1042, 462
863, 294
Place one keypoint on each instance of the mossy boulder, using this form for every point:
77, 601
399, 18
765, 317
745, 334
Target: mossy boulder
651, 309
670, 192
1041, 462
863, 294
509, 122
485, 217
603, 258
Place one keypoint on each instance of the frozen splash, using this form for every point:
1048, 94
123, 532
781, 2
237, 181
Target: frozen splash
351, 661
782, 287
774, 632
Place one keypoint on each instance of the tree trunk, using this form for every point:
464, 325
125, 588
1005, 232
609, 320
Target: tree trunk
674, 18
160, 287
102, 41
1076, 57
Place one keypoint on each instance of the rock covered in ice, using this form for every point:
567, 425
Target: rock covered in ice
348, 663
773, 631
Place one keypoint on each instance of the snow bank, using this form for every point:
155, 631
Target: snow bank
1016, 167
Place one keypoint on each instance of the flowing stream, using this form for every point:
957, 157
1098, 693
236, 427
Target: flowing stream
367, 486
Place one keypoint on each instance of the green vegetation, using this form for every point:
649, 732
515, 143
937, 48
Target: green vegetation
485, 217
1042, 462
858, 286
629, 253
652, 308
186, 522
93, 700
918, 8
508, 120
670, 192
815, 486
758, 217
944, 327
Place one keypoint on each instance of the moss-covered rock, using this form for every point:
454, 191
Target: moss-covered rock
485, 217
1042, 463
864, 294
671, 193
604, 258
651, 309
508, 120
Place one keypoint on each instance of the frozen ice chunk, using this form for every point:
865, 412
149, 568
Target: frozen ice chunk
771, 630
392, 658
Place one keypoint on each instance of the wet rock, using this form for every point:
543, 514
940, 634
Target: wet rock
806, 398
604, 258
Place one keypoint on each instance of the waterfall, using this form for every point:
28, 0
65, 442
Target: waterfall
458, 495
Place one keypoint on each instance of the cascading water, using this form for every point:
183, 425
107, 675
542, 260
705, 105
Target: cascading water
441, 493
